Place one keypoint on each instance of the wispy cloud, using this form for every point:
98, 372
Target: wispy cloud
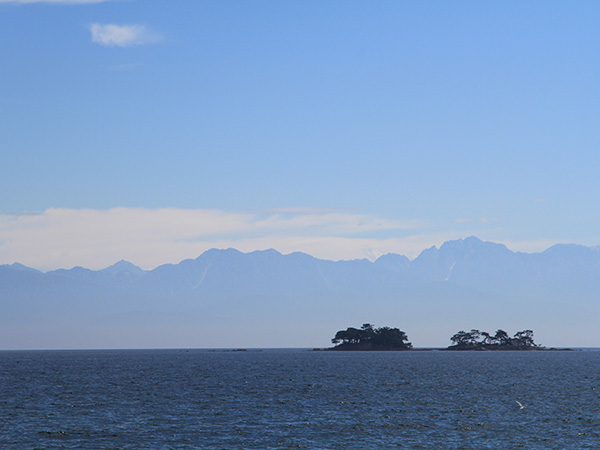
303, 209
481, 219
149, 237
489, 219
111, 35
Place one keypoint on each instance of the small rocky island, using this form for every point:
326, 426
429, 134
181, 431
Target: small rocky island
368, 337
482, 340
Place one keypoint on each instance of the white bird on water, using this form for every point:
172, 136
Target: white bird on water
520, 404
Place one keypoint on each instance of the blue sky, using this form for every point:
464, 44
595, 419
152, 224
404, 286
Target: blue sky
154, 130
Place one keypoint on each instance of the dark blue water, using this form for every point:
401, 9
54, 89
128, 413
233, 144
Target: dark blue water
284, 399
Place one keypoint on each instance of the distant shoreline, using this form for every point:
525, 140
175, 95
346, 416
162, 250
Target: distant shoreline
243, 350
445, 349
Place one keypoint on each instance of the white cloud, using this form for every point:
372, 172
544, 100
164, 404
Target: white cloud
489, 219
302, 209
111, 35
149, 237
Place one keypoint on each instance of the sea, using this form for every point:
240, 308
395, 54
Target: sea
299, 399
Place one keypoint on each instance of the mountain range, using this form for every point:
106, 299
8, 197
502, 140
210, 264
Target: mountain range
226, 298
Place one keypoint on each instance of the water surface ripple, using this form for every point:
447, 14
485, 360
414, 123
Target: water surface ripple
284, 399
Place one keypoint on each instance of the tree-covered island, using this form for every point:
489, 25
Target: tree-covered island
368, 337
482, 340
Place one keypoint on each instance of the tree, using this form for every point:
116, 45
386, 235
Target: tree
466, 338
487, 339
387, 337
368, 332
524, 338
461, 339
482, 340
370, 338
501, 337
475, 336
347, 336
